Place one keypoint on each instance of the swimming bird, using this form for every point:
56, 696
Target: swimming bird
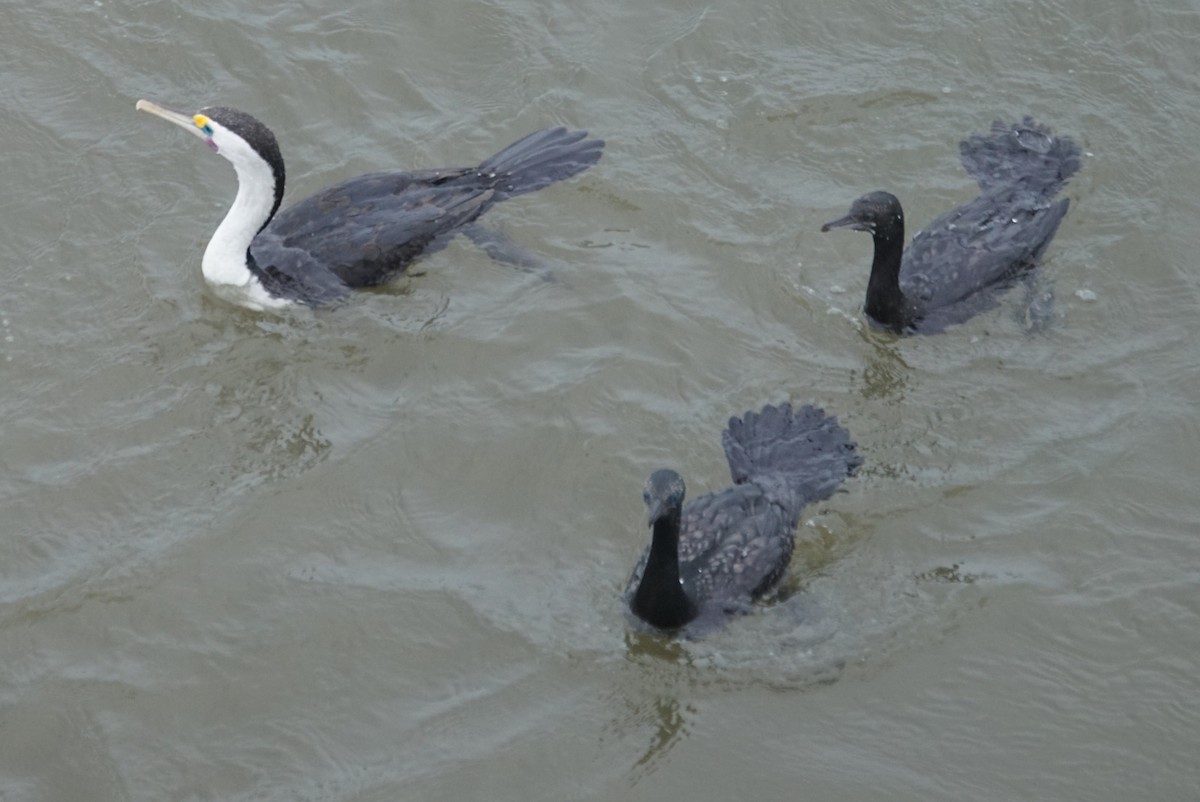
959, 263
725, 549
359, 233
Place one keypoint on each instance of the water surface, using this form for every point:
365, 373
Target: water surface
375, 553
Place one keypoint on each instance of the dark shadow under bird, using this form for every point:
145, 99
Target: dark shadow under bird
959, 263
720, 552
360, 233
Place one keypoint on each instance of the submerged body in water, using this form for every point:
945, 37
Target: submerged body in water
360, 233
725, 549
957, 265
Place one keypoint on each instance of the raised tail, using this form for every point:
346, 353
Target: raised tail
541, 159
1023, 154
804, 450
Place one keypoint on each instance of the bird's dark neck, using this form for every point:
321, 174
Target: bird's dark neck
660, 598
886, 303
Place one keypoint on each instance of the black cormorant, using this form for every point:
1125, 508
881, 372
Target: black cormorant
725, 549
956, 266
359, 233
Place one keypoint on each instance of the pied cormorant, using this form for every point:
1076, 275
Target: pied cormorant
359, 233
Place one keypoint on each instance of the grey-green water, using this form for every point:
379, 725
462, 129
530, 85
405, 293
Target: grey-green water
376, 553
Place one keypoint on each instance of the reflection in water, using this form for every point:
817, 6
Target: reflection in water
659, 711
669, 730
790, 645
948, 573
647, 644
1037, 312
280, 437
886, 375
663, 718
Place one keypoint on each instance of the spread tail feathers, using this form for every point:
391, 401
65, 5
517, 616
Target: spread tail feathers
1023, 154
803, 449
541, 159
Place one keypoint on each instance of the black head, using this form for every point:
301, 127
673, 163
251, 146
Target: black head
248, 127
257, 136
663, 494
876, 212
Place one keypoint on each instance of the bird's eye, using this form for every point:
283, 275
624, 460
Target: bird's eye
207, 129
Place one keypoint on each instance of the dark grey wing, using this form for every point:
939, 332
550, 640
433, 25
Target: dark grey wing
382, 242
709, 519
754, 561
295, 274
981, 245
733, 545
368, 229
322, 211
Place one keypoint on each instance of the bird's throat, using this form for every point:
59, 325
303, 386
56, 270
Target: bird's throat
226, 259
885, 302
660, 598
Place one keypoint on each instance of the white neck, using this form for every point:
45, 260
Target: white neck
225, 257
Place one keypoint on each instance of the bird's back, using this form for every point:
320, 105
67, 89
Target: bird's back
735, 544
366, 230
966, 257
